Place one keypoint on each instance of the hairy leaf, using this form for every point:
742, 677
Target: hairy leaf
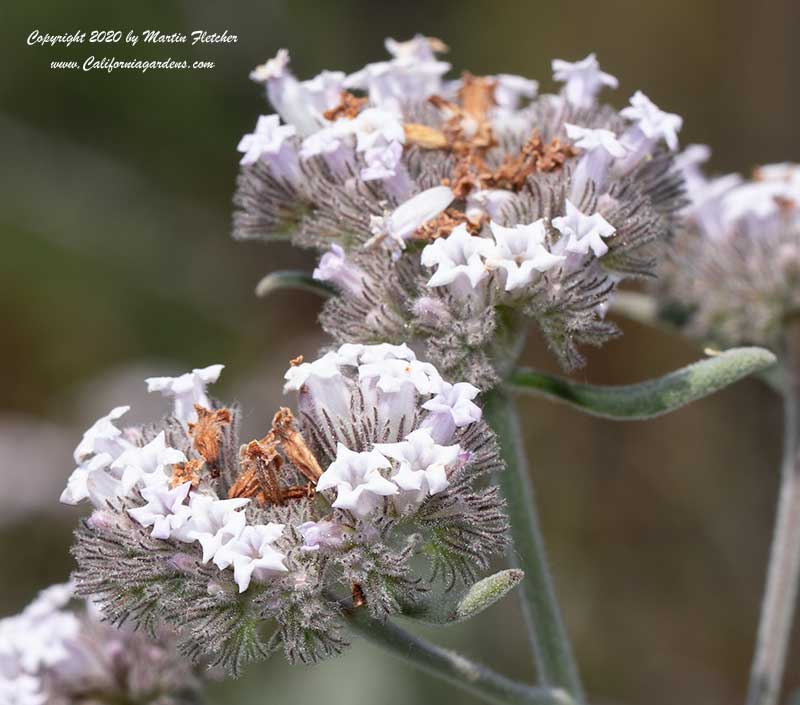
293, 279
653, 397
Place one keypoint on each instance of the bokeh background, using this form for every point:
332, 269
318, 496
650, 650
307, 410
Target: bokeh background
116, 263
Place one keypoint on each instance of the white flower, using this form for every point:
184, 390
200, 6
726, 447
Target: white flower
111, 465
458, 256
653, 122
508, 89
487, 202
319, 384
21, 689
333, 267
188, 389
165, 510
321, 534
271, 69
350, 353
418, 48
268, 138
595, 138
392, 374
520, 251
413, 73
323, 368
585, 232
252, 554
147, 465
601, 149
36, 638
213, 523
326, 141
100, 446
422, 466
325, 89
756, 199
411, 215
376, 353
382, 161
90, 481
583, 79
103, 437
359, 485
374, 127
296, 103
450, 409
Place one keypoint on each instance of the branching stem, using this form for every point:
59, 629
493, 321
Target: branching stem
451, 666
553, 654
783, 575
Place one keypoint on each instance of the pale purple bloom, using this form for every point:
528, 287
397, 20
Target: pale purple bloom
321, 535
458, 258
333, 267
654, 123
165, 510
252, 555
584, 232
187, 390
520, 252
360, 487
213, 523
450, 409
421, 466
583, 79
510, 89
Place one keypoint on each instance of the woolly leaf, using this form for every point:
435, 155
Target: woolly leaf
653, 397
293, 279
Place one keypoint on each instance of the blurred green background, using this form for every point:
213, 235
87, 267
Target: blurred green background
116, 263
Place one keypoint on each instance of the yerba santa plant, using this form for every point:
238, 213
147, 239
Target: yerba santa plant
447, 215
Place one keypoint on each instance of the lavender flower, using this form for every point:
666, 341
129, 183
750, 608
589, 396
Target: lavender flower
245, 547
735, 277
53, 655
406, 180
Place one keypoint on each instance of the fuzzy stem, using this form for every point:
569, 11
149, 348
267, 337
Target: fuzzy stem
451, 666
783, 575
552, 651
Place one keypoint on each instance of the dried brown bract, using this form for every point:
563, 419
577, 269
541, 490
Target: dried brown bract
186, 472
349, 106
294, 446
206, 432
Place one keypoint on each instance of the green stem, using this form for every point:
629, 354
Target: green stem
451, 666
783, 575
553, 653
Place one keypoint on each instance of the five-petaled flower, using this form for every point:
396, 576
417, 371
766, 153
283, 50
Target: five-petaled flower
584, 232
520, 252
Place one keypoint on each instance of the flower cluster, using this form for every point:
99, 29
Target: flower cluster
377, 476
735, 277
51, 655
449, 210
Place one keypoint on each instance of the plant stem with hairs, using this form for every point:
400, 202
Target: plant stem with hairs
451, 666
552, 650
783, 575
